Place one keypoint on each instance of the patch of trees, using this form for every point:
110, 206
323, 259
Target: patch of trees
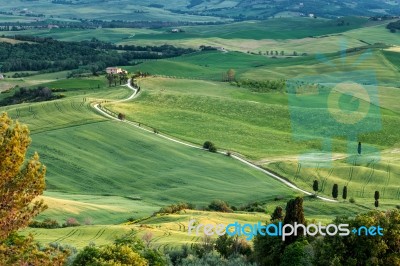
175, 208
94, 24
208, 48
262, 86
52, 224
382, 18
49, 54
252, 207
393, 26
39, 94
21, 75
219, 206
21, 183
319, 250
126, 250
208, 145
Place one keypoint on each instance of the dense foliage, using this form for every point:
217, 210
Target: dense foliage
23, 94
175, 208
49, 54
20, 184
262, 86
393, 26
128, 250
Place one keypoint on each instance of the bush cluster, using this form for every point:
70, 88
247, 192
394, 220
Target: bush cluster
174, 208
253, 207
208, 145
219, 206
52, 224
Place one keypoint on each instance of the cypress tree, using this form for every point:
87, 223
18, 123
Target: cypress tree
335, 191
344, 195
315, 186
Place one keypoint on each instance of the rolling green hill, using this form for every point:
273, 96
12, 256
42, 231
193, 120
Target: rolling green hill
88, 155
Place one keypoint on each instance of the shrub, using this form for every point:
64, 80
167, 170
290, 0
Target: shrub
121, 116
174, 208
219, 206
71, 222
88, 221
253, 207
46, 223
352, 200
208, 145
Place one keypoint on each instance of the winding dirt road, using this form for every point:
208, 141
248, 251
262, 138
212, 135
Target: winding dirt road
97, 107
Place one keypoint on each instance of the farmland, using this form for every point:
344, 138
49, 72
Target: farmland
112, 176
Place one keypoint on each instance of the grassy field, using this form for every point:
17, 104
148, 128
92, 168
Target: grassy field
231, 117
203, 65
123, 10
104, 172
171, 231
276, 29
107, 35
212, 66
119, 160
276, 35
363, 176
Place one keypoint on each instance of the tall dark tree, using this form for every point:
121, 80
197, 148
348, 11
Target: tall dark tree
269, 250
376, 196
335, 191
277, 215
359, 148
115, 78
110, 78
294, 211
294, 214
315, 186
376, 203
344, 194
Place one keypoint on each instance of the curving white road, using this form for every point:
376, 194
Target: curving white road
135, 93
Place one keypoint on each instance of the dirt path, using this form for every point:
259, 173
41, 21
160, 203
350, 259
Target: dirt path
135, 93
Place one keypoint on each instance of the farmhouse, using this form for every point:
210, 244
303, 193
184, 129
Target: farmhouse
114, 70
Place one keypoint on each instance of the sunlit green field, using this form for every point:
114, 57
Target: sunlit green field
104, 172
171, 231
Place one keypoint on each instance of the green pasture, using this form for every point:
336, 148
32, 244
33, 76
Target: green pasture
362, 174
255, 124
285, 28
123, 10
171, 231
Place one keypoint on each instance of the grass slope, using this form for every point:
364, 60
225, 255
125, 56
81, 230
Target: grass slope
171, 231
100, 157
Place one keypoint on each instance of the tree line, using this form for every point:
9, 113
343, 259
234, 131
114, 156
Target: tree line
38, 94
49, 54
393, 26
96, 23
